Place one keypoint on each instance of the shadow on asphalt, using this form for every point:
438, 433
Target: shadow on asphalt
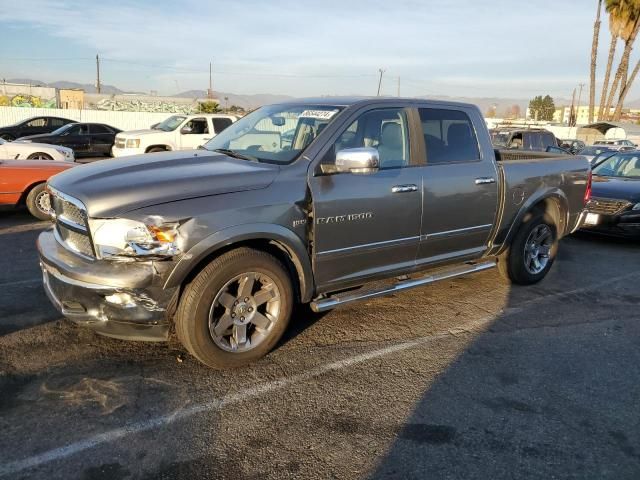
542, 393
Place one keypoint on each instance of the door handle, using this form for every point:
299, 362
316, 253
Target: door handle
485, 180
404, 188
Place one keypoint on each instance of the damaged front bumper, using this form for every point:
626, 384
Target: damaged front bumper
120, 300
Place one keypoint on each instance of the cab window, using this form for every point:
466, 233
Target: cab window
219, 124
449, 136
385, 130
196, 126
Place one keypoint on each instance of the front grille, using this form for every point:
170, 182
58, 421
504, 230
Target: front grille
78, 242
607, 206
72, 226
120, 142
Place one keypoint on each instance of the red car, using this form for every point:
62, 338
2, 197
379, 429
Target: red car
23, 182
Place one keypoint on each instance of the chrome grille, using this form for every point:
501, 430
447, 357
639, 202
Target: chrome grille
607, 206
78, 242
72, 226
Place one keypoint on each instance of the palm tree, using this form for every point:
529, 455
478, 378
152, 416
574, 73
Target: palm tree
614, 9
627, 13
594, 54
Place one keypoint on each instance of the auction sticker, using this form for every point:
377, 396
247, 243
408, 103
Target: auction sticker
319, 114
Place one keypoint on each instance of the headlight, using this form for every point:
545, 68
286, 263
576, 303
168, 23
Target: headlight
65, 152
636, 206
122, 239
133, 143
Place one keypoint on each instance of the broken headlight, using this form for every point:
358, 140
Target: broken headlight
123, 239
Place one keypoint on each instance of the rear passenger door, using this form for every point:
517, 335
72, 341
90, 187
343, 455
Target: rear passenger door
460, 192
101, 139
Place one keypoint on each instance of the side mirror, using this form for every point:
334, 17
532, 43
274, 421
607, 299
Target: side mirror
186, 130
357, 160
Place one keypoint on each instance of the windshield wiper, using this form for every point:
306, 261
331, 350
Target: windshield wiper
233, 154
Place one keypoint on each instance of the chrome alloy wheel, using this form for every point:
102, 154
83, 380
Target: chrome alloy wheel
537, 249
244, 311
43, 202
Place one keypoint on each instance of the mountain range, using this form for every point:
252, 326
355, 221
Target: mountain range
255, 100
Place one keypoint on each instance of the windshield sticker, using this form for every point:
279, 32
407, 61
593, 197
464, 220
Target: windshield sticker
319, 114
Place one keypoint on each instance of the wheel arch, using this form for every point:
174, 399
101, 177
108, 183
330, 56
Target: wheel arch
274, 239
553, 203
164, 146
27, 189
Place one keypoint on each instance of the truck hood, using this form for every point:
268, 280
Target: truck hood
142, 133
617, 188
109, 188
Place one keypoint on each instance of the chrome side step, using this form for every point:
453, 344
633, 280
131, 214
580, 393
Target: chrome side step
333, 301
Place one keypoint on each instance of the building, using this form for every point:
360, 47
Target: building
71, 98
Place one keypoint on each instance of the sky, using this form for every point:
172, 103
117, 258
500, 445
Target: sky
475, 48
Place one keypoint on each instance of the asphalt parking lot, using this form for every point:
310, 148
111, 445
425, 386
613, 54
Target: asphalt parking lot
468, 378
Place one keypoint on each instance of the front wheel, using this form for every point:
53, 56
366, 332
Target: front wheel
532, 251
39, 203
40, 156
236, 309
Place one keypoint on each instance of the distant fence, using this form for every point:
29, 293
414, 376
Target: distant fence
121, 120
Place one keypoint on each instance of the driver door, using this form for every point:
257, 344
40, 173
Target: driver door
368, 225
195, 132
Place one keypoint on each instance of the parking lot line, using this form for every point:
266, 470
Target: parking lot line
24, 228
18, 466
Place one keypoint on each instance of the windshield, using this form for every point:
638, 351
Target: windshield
170, 124
62, 129
619, 166
593, 150
276, 133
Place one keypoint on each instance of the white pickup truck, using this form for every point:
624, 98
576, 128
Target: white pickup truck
178, 132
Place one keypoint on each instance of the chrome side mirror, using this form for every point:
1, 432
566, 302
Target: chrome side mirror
358, 160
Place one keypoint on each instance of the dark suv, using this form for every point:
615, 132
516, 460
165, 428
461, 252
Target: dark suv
32, 126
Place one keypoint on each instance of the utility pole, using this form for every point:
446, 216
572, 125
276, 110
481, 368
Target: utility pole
210, 92
97, 73
380, 80
579, 98
398, 85
572, 113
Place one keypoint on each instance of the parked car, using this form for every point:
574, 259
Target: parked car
572, 145
592, 152
34, 151
178, 132
220, 243
614, 207
32, 126
22, 182
85, 139
524, 139
601, 157
618, 143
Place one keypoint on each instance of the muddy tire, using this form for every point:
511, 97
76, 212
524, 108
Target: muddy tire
38, 202
532, 251
156, 149
236, 309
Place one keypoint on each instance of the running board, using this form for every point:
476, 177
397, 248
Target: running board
324, 304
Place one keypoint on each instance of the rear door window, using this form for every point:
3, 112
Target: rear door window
219, 124
449, 136
96, 128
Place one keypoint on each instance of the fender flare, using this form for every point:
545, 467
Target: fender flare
282, 237
555, 194
168, 146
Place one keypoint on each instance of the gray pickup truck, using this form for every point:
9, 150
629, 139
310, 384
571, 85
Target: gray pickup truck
303, 202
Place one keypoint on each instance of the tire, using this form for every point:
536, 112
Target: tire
37, 201
40, 156
156, 149
7, 138
215, 293
537, 238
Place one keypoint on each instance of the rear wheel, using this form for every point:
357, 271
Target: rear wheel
40, 156
236, 309
532, 251
38, 202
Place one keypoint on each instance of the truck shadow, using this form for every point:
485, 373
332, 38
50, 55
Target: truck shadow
546, 391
